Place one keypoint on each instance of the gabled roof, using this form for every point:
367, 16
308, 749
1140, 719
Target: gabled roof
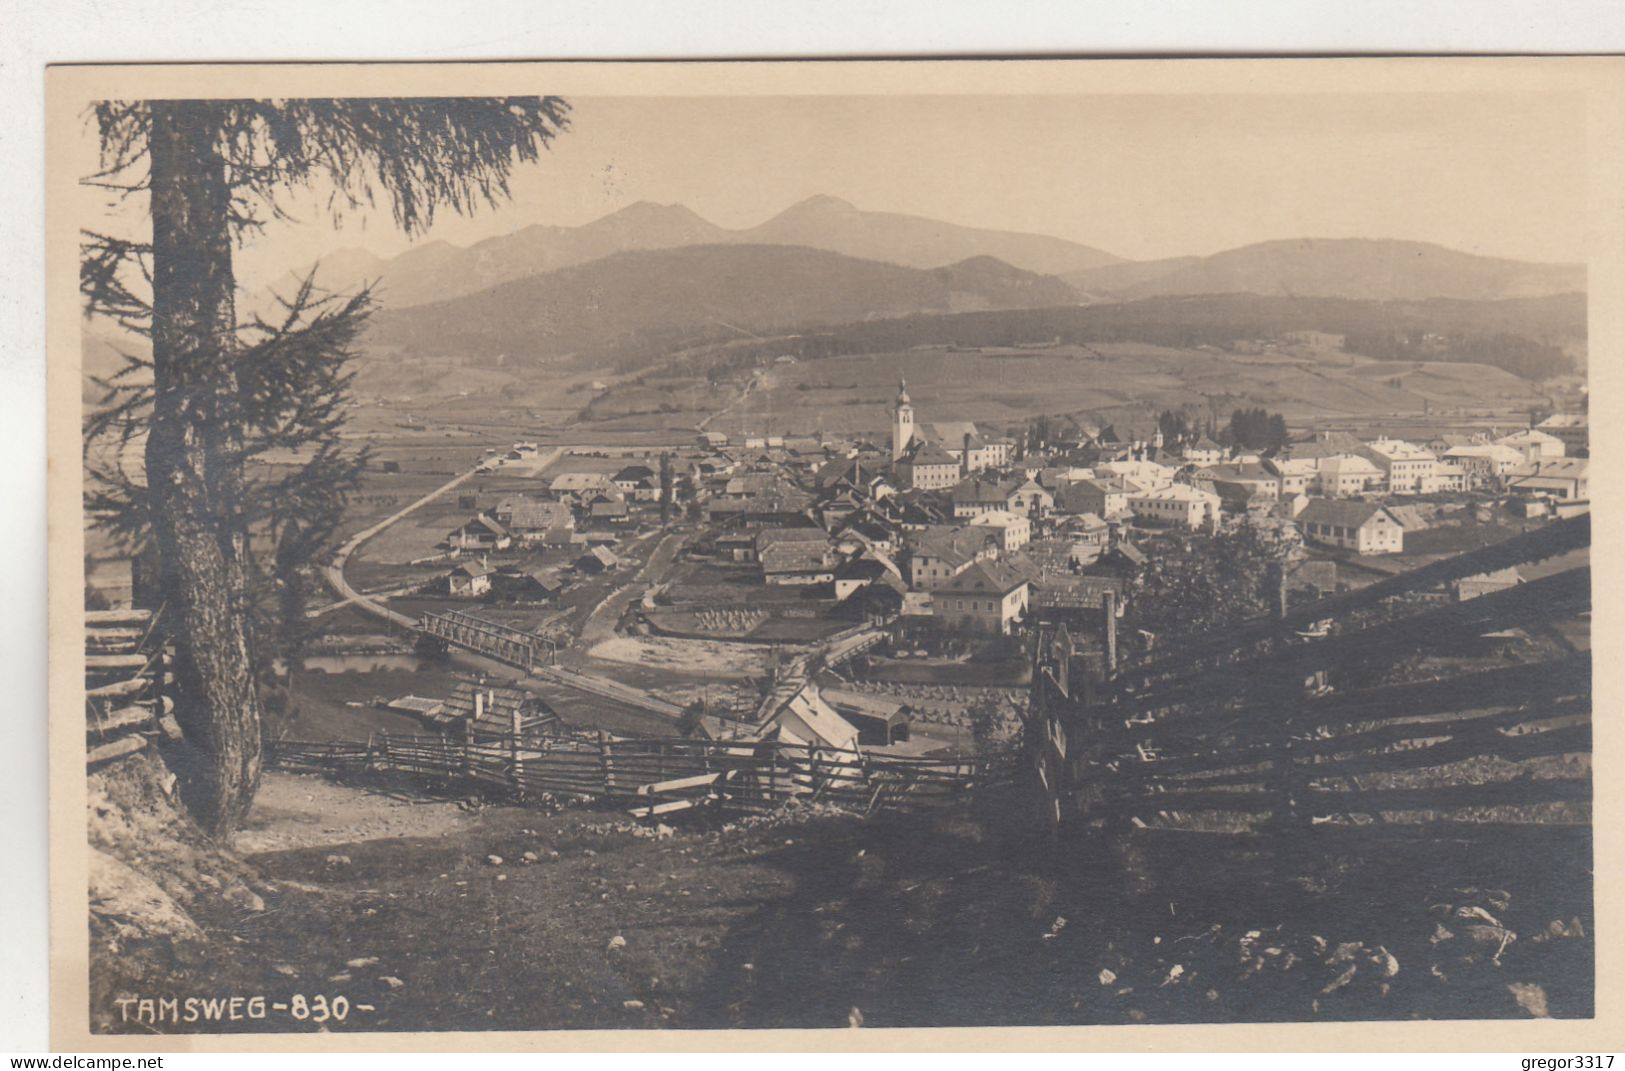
988, 578
578, 481
1345, 512
633, 474
973, 490
951, 434
954, 545
531, 514
924, 452
1349, 464
490, 524
815, 716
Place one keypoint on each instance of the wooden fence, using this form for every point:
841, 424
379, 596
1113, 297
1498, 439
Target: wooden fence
1275, 727
125, 666
658, 775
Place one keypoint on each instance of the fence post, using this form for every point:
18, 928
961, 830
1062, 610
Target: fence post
605, 766
517, 726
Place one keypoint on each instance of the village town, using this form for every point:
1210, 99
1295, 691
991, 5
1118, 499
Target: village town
832, 615
878, 592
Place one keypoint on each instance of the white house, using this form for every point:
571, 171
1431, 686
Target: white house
1405, 466
1014, 530
1363, 527
1177, 504
1534, 444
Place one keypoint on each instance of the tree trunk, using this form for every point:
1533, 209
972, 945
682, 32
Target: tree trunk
193, 464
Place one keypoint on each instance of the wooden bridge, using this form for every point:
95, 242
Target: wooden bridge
1410, 716
511, 646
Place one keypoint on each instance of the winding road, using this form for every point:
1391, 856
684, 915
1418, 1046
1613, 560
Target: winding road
349, 596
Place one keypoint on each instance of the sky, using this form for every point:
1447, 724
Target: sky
1139, 176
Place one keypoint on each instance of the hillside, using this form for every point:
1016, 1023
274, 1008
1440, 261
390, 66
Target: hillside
637, 303
1365, 269
831, 223
438, 271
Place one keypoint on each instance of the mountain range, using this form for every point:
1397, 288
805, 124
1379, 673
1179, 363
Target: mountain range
1364, 269
646, 299
437, 271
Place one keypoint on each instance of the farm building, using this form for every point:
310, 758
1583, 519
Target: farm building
808, 720
880, 720
469, 580
493, 709
482, 532
1363, 527
596, 560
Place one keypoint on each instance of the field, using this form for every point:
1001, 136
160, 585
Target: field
1002, 387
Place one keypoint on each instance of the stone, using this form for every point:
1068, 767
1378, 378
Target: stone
244, 897
391, 981
617, 942
493, 860
1531, 998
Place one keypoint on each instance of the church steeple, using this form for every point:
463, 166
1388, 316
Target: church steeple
902, 421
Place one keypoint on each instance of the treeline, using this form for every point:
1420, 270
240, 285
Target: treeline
1256, 429
1520, 326
1519, 334
1525, 357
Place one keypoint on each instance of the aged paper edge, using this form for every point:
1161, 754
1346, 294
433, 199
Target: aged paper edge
1597, 82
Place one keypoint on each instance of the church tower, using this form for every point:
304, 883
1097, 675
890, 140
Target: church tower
902, 422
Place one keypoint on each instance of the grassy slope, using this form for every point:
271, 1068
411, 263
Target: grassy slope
912, 922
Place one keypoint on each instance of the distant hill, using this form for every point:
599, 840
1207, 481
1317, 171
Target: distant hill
638, 303
1530, 336
830, 223
1364, 269
438, 271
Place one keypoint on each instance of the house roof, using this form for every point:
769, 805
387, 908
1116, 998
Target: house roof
866, 705
951, 434
997, 518
924, 452
1177, 492
1529, 435
955, 545
578, 481
794, 556
860, 569
633, 474
985, 577
1345, 512
531, 514
815, 717
490, 524
973, 490
1349, 465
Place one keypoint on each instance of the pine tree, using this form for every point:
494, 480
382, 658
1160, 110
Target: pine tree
217, 393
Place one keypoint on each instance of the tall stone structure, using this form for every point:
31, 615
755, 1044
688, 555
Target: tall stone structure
902, 421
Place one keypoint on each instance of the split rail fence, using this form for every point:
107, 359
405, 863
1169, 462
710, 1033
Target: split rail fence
1276, 727
657, 776
125, 667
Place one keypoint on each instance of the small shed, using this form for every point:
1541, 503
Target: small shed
879, 720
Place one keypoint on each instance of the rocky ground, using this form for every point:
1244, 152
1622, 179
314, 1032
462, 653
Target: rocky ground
449, 913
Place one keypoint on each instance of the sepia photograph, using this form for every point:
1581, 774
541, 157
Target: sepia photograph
760, 547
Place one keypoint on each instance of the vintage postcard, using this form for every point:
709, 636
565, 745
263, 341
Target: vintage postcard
809, 555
